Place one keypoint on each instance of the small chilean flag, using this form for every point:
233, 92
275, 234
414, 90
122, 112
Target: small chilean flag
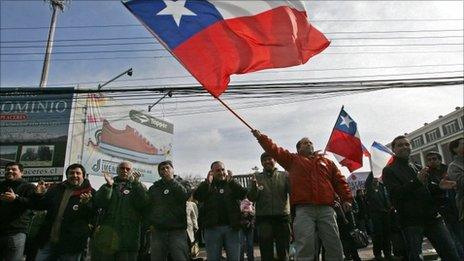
381, 156
215, 39
345, 143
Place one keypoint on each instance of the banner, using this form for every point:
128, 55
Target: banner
34, 131
356, 181
115, 132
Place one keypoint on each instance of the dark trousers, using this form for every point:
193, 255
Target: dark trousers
381, 233
270, 231
437, 234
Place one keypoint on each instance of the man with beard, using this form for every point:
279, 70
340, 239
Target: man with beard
65, 230
315, 181
122, 200
220, 217
407, 184
15, 217
270, 190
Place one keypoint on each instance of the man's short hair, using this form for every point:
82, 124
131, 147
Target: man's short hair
20, 166
298, 144
75, 166
265, 155
433, 153
216, 162
453, 145
396, 139
164, 163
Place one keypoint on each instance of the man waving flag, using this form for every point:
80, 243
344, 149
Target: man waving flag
215, 39
345, 143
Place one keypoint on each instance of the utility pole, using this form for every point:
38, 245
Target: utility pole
55, 4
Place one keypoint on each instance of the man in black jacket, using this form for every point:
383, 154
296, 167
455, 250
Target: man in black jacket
15, 217
166, 213
65, 230
379, 211
220, 217
406, 183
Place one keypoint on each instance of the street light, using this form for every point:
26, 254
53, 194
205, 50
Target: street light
128, 72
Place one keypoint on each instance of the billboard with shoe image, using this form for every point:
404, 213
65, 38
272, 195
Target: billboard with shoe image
115, 132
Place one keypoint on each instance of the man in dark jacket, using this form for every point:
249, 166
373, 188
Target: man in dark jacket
406, 183
123, 200
65, 230
444, 199
221, 213
166, 214
379, 211
270, 190
15, 217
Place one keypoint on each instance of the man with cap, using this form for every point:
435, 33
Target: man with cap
270, 191
167, 216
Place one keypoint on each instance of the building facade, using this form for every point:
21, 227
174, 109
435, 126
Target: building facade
436, 136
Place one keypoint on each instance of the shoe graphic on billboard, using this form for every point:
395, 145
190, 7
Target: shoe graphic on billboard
128, 144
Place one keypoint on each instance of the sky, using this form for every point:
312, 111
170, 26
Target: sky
407, 39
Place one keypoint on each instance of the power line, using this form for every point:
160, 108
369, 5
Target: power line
274, 72
312, 20
155, 43
150, 37
163, 50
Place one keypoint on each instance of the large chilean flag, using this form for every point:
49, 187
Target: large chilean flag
345, 143
214, 39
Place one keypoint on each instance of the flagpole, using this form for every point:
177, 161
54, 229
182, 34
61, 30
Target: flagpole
335, 124
233, 112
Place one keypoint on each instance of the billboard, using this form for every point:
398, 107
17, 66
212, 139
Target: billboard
115, 132
34, 131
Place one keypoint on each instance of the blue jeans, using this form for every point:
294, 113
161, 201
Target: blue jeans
247, 244
437, 234
49, 252
12, 247
169, 242
217, 237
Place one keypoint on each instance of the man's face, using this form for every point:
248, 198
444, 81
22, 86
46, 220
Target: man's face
402, 148
268, 163
166, 172
13, 172
75, 176
433, 161
124, 170
219, 171
306, 147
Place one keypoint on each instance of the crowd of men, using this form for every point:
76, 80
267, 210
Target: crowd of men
309, 206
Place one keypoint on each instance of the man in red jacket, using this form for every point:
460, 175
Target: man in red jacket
314, 182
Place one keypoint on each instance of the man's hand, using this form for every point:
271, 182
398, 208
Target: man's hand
85, 198
136, 175
41, 187
256, 133
447, 184
209, 177
423, 175
346, 206
8, 196
108, 178
229, 175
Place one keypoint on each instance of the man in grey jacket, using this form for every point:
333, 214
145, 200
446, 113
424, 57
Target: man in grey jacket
270, 190
456, 173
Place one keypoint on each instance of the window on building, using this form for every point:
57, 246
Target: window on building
432, 135
450, 127
417, 142
462, 122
